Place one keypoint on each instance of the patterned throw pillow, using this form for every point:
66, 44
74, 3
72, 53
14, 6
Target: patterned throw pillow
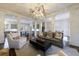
58, 35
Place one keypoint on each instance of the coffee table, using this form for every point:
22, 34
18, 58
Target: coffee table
43, 46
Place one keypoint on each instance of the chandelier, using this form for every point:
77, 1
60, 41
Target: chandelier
38, 12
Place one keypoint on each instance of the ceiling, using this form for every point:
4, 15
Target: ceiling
24, 8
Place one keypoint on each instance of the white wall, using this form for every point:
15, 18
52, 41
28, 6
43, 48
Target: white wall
49, 23
74, 27
1, 28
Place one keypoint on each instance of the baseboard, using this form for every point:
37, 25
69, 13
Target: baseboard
76, 47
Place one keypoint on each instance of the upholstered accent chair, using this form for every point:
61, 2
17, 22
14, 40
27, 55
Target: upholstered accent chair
16, 41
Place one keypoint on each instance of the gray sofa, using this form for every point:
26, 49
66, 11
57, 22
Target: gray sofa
56, 38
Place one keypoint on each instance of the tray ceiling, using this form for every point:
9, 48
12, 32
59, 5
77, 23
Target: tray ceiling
24, 8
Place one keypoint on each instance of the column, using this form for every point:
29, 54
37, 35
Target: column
40, 28
18, 25
35, 32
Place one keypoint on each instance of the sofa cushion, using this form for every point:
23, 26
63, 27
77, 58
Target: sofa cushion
49, 34
44, 34
58, 35
15, 35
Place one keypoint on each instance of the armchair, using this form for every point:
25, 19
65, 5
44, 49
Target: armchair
16, 43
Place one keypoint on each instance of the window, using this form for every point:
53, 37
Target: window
10, 23
62, 23
13, 26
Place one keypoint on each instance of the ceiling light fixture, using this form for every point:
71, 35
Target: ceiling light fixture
38, 12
